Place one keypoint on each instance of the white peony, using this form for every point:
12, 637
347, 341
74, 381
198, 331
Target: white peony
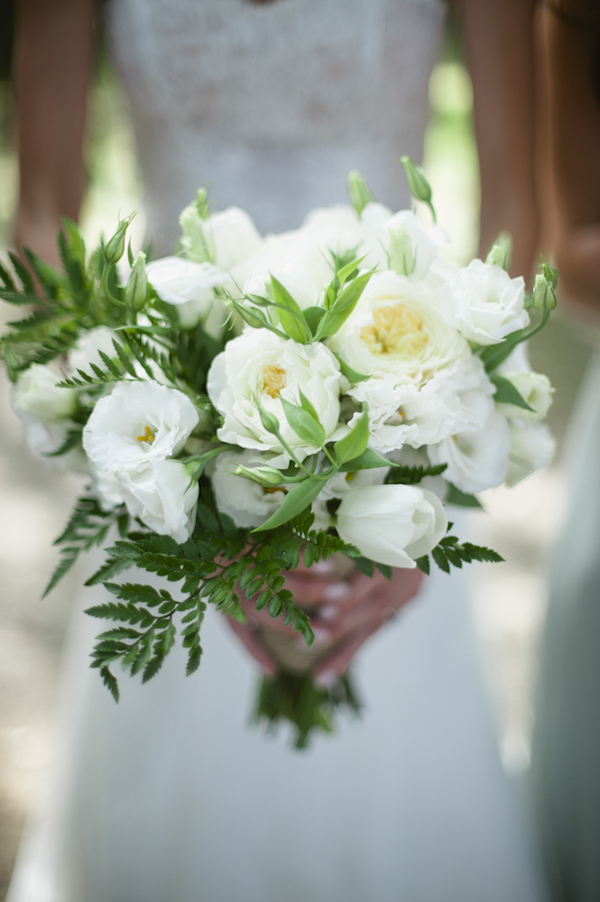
35, 394
535, 389
139, 422
476, 459
454, 399
397, 328
86, 350
189, 286
224, 238
258, 367
392, 524
532, 446
163, 495
484, 303
245, 501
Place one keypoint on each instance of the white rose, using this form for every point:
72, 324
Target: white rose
137, 423
225, 238
35, 393
258, 366
297, 261
189, 286
162, 495
337, 228
424, 243
456, 398
532, 446
477, 459
245, 501
484, 303
535, 389
86, 350
397, 328
392, 524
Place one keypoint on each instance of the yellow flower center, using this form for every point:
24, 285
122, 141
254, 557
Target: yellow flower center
146, 437
273, 380
396, 330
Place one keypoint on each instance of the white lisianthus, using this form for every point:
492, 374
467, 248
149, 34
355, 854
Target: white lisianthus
454, 399
423, 244
296, 260
397, 328
476, 459
163, 495
225, 238
258, 367
86, 350
189, 286
247, 502
139, 422
43, 439
531, 447
392, 524
535, 389
484, 303
106, 487
36, 394
339, 486
337, 228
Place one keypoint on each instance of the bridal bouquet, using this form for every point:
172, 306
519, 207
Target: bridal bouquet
256, 402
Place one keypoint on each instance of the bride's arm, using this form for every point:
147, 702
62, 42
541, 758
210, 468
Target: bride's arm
499, 41
573, 49
53, 62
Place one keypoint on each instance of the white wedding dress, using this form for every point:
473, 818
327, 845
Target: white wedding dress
170, 795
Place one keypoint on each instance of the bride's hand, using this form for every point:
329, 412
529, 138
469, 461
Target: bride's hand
343, 613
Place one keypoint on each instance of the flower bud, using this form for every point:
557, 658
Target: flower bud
500, 253
136, 290
418, 185
358, 191
268, 477
544, 298
116, 246
201, 203
400, 251
269, 421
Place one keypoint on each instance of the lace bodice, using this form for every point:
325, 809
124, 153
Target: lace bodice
271, 105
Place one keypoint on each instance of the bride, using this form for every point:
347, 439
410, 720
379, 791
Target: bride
169, 795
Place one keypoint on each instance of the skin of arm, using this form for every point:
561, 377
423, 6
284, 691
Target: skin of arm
499, 44
52, 69
574, 127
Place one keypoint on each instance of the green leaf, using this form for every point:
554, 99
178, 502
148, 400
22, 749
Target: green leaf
352, 445
295, 501
110, 681
290, 315
351, 375
305, 424
313, 316
423, 564
455, 496
343, 306
506, 393
368, 460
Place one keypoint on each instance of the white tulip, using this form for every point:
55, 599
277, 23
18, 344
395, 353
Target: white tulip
392, 524
484, 303
139, 422
163, 495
